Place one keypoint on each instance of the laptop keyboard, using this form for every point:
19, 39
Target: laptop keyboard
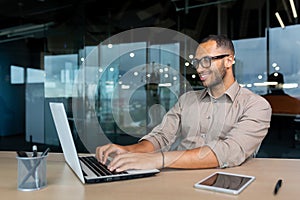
98, 168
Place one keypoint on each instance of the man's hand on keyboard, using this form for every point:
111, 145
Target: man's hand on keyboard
109, 150
125, 161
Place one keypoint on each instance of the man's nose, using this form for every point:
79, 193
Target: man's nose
200, 69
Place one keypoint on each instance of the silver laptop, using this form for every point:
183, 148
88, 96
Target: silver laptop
86, 167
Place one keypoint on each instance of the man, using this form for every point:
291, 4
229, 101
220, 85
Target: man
285, 109
220, 126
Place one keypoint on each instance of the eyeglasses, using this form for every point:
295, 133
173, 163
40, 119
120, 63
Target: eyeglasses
205, 62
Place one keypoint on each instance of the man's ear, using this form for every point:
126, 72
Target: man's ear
229, 61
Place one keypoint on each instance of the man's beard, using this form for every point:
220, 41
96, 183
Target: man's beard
217, 78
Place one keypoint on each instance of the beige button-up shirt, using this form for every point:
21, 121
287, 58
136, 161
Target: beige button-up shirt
233, 126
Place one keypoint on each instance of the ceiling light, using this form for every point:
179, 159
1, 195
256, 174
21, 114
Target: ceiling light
293, 8
16, 38
22, 31
279, 20
25, 29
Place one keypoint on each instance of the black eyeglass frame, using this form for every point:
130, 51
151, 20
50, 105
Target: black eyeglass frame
196, 62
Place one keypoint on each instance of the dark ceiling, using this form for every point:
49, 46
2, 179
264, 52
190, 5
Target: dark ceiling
95, 20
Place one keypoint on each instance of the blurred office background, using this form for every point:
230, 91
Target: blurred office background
44, 43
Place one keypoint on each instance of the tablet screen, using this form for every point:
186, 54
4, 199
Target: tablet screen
225, 182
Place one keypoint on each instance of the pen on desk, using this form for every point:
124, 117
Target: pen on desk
36, 175
277, 186
45, 152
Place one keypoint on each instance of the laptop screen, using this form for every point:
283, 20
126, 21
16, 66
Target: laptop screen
65, 137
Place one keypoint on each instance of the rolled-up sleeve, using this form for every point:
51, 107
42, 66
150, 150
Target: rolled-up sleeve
163, 135
179, 125
246, 135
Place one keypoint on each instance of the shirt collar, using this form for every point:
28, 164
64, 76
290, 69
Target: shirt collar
231, 92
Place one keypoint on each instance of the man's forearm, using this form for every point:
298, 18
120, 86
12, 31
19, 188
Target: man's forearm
143, 146
198, 158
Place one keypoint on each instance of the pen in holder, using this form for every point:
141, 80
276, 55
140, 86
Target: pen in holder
32, 172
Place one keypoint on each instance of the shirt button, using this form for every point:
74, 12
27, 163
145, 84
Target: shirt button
208, 117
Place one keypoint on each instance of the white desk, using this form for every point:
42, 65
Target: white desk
169, 184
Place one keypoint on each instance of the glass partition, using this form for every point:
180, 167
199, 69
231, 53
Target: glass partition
123, 93
130, 93
250, 67
284, 57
